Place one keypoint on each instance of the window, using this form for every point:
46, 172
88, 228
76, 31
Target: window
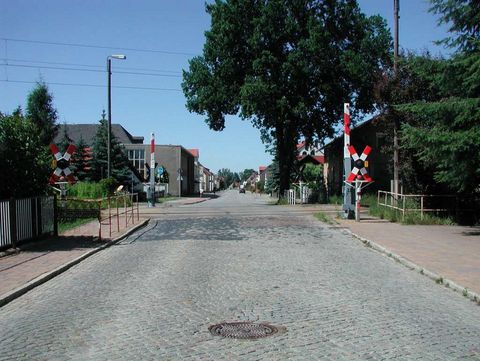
137, 157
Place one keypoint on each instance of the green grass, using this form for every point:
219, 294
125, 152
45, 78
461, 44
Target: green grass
325, 218
65, 226
282, 202
165, 199
87, 190
335, 200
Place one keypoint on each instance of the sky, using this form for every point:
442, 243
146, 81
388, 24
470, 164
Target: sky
158, 37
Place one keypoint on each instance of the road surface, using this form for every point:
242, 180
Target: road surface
154, 295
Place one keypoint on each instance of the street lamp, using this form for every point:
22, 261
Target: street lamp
109, 142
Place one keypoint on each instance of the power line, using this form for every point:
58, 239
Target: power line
6, 60
99, 46
92, 85
91, 70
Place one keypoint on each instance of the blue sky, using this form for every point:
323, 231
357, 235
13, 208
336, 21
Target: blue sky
175, 30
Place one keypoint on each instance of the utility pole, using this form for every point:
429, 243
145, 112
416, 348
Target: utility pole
396, 126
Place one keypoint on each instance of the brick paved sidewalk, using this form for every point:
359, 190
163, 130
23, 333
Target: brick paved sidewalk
452, 252
37, 259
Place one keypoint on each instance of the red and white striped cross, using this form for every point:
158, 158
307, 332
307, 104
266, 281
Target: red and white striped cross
359, 165
62, 164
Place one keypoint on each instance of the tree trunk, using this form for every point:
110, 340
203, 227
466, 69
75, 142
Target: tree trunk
285, 154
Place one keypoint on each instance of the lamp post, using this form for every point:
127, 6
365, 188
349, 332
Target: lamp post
109, 142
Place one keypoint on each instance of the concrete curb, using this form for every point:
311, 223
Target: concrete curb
195, 202
10, 296
473, 296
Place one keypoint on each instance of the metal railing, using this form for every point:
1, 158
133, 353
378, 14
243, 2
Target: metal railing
26, 219
446, 204
118, 212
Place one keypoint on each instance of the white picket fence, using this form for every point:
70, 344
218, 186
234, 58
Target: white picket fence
24, 219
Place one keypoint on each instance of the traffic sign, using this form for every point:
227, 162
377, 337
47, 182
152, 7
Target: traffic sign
160, 171
61, 164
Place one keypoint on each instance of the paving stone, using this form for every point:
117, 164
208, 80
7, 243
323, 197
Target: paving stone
154, 295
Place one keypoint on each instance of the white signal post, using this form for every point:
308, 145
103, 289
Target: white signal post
348, 207
358, 176
151, 202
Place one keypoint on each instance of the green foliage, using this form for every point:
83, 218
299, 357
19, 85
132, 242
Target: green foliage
87, 190
119, 161
286, 66
273, 180
437, 101
24, 160
42, 113
446, 136
335, 199
325, 218
261, 186
109, 185
80, 161
229, 177
246, 174
312, 172
463, 17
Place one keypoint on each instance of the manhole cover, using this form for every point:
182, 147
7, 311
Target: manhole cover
243, 330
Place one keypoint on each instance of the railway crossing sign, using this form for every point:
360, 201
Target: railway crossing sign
61, 164
359, 165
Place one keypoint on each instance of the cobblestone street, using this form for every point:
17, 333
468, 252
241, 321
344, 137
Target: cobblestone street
237, 258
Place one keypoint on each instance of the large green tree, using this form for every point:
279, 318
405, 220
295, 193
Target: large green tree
41, 112
24, 161
439, 102
287, 66
98, 164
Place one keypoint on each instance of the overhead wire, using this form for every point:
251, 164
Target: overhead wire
90, 70
98, 46
87, 65
92, 85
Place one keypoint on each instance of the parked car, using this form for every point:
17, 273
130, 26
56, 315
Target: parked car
242, 190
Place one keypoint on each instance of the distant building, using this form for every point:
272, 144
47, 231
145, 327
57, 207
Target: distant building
87, 132
178, 162
304, 150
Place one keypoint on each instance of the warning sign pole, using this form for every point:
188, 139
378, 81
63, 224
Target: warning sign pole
348, 207
151, 202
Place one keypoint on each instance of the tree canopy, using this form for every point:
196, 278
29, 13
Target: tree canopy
288, 67
120, 163
42, 113
24, 161
439, 101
